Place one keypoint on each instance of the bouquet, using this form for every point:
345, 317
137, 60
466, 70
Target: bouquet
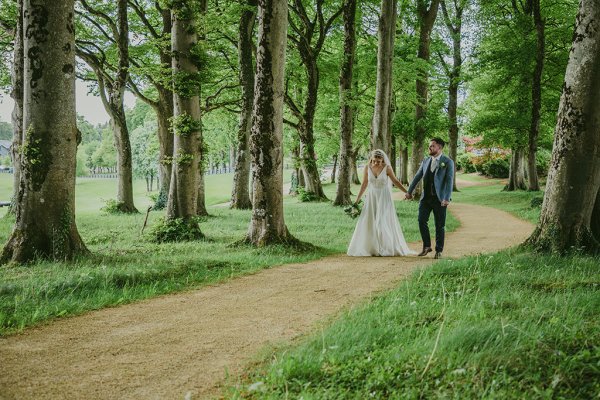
353, 210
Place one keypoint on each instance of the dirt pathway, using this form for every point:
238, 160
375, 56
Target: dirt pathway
183, 345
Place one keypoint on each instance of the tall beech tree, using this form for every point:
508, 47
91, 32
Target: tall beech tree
453, 23
154, 67
240, 196
186, 123
112, 77
381, 133
267, 225
536, 93
570, 216
342, 195
45, 219
308, 36
16, 94
427, 14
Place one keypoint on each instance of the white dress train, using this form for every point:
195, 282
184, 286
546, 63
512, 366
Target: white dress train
378, 232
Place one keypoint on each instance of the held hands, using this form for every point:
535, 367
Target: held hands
445, 203
408, 196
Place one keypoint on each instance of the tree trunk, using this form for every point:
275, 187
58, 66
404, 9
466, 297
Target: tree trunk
569, 215
202, 152
334, 170
164, 112
308, 156
266, 140
380, 129
394, 154
124, 157
355, 178
112, 92
516, 178
342, 193
45, 220
536, 95
183, 193
426, 20
455, 30
240, 197
404, 163
17, 114
201, 196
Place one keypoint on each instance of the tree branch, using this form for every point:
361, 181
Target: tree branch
102, 15
142, 14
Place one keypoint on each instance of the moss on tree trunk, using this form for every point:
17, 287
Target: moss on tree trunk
45, 219
569, 216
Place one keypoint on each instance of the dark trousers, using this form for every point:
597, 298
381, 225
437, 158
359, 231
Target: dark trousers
426, 206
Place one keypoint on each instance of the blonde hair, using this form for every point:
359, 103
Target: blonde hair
377, 153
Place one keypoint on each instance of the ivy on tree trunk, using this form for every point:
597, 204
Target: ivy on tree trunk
267, 225
342, 195
240, 196
45, 220
186, 124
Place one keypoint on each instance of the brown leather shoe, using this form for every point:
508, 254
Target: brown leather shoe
425, 251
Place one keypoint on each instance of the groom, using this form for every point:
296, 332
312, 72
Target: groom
437, 172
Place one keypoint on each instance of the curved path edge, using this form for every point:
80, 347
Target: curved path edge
183, 345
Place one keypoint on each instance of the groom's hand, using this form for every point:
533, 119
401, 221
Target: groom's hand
408, 196
445, 203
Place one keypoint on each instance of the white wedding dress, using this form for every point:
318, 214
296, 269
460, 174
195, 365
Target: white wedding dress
378, 231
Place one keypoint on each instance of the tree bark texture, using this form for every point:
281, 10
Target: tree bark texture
164, 112
455, 29
536, 94
342, 194
516, 178
380, 127
334, 170
355, 179
267, 225
17, 114
404, 165
569, 215
186, 125
112, 92
427, 18
309, 37
45, 220
201, 209
240, 197
160, 30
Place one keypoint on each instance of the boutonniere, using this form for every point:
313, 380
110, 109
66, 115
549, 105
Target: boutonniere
443, 164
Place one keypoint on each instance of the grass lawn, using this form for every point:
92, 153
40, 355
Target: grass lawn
125, 266
511, 325
517, 203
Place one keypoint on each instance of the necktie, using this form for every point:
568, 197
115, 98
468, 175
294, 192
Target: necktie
433, 164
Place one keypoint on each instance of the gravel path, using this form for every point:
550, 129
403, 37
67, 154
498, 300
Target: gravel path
183, 345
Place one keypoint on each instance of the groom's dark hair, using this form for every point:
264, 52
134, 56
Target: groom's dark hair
439, 141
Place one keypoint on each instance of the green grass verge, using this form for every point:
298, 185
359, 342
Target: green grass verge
126, 266
517, 203
506, 326
511, 325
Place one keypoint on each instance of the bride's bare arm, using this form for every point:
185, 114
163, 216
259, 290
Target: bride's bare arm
395, 181
364, 184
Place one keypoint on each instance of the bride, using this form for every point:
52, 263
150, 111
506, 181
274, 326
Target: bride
378, 231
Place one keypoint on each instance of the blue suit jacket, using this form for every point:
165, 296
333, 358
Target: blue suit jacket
443, 177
